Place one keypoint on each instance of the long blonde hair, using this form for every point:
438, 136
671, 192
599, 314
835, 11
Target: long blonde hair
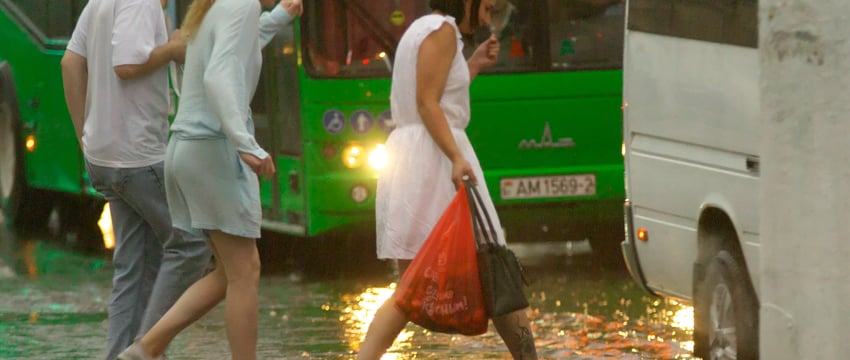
195, 16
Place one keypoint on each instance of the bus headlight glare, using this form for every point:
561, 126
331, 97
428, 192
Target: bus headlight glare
378, 157
353, 156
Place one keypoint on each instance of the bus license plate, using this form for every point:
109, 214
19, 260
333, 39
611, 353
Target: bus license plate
548, 186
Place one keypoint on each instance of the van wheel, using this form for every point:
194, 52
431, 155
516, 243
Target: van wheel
726, 312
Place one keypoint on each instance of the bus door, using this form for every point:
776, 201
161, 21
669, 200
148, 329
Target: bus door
277, 124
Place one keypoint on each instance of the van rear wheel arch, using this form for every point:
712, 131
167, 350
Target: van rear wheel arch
719, 247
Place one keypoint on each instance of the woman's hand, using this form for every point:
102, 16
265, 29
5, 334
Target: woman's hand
487, 54
262, 167
293, 7
462, 169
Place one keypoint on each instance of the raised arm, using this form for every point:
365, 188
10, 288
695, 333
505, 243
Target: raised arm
271, 22
485, 55
224, 78
432, 72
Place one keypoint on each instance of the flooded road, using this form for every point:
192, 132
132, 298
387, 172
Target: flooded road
53, 306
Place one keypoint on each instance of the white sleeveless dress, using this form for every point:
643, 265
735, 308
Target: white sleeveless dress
415, 187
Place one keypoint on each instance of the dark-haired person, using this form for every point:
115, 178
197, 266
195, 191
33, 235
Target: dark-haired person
212, 166
432, 154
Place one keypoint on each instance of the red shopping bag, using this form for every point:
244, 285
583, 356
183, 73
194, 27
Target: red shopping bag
441, 289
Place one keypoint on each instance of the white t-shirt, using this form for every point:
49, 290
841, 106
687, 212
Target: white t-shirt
126, 120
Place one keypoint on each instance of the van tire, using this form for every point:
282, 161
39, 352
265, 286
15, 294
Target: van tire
725, 300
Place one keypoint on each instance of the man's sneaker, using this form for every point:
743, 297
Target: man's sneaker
135, 352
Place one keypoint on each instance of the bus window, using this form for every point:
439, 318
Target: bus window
513, 24
275, 104
586, 34
54, 19
356, 38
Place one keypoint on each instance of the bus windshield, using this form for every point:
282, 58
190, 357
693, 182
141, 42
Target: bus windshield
49, 21
357, 38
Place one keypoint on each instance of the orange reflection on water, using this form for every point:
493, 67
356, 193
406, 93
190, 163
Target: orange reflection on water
361, 311
684, 319
28, 255
105, 224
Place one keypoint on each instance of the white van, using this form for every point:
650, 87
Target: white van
691, 134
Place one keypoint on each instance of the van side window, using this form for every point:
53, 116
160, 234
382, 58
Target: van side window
733, 22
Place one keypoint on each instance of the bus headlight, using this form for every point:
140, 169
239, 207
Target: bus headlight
353, 156
378, 157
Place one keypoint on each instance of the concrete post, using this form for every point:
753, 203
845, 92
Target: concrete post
804, 48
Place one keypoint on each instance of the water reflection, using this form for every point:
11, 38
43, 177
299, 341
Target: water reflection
578, 311
28, 256
105, 224
359, 314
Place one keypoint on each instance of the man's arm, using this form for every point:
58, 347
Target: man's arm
174, 50
75, 82
135, 52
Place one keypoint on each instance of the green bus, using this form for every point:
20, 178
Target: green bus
41, 170
547, 120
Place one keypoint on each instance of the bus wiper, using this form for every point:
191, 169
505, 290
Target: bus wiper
384, 37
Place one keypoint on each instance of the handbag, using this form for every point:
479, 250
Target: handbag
440, 289
502, 277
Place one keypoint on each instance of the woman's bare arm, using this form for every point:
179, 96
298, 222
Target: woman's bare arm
434, 61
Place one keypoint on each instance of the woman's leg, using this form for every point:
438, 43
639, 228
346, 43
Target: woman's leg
515, 330
385, 327
198, 300
241, 263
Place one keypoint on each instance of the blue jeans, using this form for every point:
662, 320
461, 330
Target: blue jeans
153, 262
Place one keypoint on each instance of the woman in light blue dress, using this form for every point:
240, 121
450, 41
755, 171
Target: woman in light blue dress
213, 163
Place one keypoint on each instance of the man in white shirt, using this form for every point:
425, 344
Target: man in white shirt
116, 88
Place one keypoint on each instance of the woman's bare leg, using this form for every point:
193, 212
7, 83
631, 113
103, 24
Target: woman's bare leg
385, 327
241, 262
198, 300
515, 330
383, 330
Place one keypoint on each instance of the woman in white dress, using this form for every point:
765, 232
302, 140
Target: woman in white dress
431, 154
212, 164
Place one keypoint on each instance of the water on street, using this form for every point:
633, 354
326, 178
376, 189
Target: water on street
53, 304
